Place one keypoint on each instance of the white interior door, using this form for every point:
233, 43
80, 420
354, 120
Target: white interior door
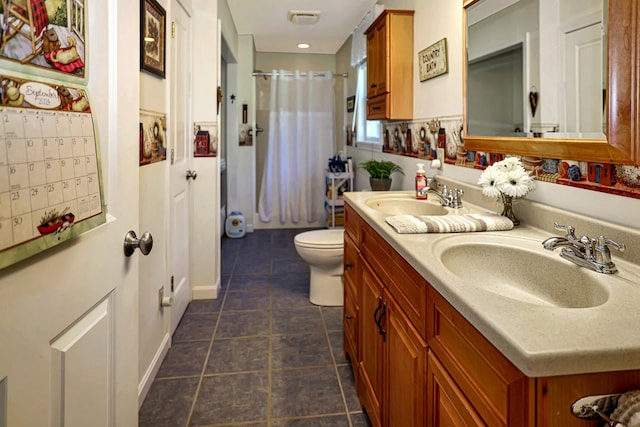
68, 316
583, 79
181, 155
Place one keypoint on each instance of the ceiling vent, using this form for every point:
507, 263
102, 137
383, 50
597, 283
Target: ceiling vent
304, 17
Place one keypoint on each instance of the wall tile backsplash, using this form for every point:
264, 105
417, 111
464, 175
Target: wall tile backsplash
419, 139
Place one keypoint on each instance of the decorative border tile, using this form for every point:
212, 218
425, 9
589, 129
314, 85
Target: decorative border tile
419, 138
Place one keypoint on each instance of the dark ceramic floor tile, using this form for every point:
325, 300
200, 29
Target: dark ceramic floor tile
168, 403
336, 339
332, 318
296, 351
349, 387
196, 327
239, 354
296, 320
204, 306
184, 359
332, 421
225, 399
360, 419
290, 280
243, 323
252, 265
305, 392
259, 299
283, 250
284, 300
249, 282
289, 265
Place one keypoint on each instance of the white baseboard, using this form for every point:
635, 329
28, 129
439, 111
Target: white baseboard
205, 292
152, 370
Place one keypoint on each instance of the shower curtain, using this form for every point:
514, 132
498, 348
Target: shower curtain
301, 140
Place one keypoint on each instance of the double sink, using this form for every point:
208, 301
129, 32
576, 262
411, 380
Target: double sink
504, 264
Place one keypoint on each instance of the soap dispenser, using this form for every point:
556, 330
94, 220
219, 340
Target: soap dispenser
421, 182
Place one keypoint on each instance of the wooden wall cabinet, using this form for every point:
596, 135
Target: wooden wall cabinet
419, 362
390, 66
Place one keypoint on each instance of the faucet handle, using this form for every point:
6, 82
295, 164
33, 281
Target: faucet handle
601, 249
570, 229
606, 241
456, 198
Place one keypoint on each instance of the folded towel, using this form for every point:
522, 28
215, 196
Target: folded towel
407, 224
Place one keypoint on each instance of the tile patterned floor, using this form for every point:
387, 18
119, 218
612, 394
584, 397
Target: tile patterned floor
260, 355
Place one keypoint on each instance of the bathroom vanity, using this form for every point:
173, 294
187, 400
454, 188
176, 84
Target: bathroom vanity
437, 336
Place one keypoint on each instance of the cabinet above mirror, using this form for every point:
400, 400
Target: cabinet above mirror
567, 80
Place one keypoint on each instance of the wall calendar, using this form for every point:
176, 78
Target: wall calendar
50, 174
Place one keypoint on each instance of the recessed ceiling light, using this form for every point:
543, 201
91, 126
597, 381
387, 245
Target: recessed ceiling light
304, 45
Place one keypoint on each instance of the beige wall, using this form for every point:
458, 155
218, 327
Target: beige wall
443, 97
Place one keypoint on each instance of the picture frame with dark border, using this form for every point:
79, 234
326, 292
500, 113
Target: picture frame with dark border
152, 37
351, 104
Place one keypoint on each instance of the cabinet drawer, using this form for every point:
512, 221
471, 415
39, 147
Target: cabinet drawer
500, 393
405, 284
350, 267
447, 405
377, 108
351, 223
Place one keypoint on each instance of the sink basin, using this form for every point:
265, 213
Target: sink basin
521, 269
398, 205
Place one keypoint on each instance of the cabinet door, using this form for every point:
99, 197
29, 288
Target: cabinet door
370, 344
350, 326
447, 405
377, 59
405, 370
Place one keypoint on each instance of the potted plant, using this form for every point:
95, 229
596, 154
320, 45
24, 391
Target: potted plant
380, 173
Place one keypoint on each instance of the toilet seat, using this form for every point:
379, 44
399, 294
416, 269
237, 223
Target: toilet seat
321, 239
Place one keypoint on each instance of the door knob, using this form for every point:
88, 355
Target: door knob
131, 243
191, 175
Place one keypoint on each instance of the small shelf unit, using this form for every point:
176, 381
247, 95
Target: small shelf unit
337, 183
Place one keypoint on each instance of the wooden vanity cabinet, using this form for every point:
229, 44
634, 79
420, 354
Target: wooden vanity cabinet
351, 307
421, 363
500, 394
390, 66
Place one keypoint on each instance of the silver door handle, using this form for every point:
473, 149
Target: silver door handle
258, 130
191, 175
131, 243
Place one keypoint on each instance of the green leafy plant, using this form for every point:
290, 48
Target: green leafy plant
380, 168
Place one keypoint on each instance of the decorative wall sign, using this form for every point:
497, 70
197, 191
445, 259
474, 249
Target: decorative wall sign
153, 138
152, 37
47, 34
433, 60
50, 175
351, 103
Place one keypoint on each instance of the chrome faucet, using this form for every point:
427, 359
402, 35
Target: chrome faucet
591, 253
451, 198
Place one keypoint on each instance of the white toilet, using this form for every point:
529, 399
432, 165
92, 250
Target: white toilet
323, 250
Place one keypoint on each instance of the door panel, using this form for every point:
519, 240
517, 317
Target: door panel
83, 355
584, 102
48, 299
180, 163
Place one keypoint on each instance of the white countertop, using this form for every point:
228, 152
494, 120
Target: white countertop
541, 340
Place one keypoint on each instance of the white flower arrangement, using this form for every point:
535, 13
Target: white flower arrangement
506, 178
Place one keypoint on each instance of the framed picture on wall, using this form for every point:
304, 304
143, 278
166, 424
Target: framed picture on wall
351, 103
152, 37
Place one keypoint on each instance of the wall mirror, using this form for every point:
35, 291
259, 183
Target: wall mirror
552, 78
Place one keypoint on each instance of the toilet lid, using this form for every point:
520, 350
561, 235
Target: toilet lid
329, 239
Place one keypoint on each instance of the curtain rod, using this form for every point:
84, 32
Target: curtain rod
260, 73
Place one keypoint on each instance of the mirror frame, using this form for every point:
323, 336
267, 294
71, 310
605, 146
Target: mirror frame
623, 101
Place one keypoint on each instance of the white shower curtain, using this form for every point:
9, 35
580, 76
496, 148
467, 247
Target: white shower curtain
301, 140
